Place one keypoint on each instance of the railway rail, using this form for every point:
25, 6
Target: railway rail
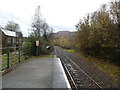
77, 77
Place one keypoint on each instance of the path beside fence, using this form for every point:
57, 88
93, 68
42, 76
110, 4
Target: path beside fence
36, 73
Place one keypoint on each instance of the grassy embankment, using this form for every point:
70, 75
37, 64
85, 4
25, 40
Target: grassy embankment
110, 69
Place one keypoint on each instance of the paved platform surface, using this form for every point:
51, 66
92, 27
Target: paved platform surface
36, 73
59, 79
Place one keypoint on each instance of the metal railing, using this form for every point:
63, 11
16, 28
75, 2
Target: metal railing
10, 56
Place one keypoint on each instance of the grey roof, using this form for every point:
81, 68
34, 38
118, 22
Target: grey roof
9, 33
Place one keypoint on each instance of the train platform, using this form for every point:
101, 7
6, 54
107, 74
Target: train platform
37, 73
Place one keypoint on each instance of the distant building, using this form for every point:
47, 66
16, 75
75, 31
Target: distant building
10, 38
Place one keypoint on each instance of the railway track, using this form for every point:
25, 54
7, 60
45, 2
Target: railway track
77, 77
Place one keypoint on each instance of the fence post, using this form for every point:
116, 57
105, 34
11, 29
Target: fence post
19, 54
8, 57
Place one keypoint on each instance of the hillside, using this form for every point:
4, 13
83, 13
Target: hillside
66, 34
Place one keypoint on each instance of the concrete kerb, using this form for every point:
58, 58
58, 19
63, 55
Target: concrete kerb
66, 79
63, 71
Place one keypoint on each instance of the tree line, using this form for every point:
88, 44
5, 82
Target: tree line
62, 41
98, 34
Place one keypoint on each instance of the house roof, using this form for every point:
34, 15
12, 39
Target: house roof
9, 33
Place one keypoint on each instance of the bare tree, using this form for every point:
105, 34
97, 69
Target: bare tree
12, 26
45, 30
39, 26
37, 22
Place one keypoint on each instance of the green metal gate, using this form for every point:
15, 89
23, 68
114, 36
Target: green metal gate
12, 55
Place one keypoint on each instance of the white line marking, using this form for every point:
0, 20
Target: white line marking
68, 84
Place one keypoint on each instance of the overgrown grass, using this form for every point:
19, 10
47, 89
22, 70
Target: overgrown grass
108, 68
69, 50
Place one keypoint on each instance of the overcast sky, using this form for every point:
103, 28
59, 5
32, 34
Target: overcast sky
60, 14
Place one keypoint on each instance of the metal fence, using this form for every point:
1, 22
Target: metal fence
12, 55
